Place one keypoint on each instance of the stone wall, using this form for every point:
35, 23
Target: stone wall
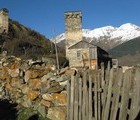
78, 62
73, 34
4, 22
36, 85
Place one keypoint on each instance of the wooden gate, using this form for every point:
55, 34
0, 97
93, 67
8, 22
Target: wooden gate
104, 95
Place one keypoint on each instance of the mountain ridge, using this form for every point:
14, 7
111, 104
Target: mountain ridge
106, 37
127, 53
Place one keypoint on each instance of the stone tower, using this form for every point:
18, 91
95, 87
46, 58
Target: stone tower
4, 22
73, 25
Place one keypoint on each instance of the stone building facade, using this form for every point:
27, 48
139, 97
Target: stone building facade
85, 54
4, 20
81, 53
73, 32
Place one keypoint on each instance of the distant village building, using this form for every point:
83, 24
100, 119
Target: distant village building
79, 52
4, 20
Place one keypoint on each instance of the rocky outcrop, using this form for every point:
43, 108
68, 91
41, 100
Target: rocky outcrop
36, 85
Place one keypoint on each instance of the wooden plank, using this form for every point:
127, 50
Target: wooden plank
105, 89
99, 94
80, 99
116, 93
125, 95
95, 96
76, 98
72, 98
68, 100
84, 96
135, 107
107, 106
90, 97
87, 104
103, 84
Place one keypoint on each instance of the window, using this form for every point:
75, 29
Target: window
79, 54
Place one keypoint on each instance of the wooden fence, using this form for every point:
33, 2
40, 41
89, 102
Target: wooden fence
104, 95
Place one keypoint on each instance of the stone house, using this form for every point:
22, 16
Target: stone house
79, 52
85, 54
4, 20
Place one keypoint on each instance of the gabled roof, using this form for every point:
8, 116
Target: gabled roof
82, 41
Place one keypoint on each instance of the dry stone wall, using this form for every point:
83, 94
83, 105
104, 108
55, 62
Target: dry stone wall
35, 84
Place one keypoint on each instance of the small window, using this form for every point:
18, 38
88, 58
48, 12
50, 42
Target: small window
79, 54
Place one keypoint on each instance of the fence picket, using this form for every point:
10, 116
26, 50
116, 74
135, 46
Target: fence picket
99, 94
68, 99
107, 106
90, 98
125, 95
105, 90
80, 99
72, 99
95, 97
104, 95
116, 94
135, 107
76, 98
84, 96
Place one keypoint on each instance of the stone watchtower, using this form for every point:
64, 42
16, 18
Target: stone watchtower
4, 22
73, 25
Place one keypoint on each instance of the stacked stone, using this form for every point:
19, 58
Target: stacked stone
35, 84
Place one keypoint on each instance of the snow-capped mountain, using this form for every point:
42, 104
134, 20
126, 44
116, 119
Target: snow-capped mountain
107, 37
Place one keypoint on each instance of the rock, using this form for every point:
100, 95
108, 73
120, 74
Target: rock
13, 72
25, 89
53, 83
60, 98
15, 82
8, 87
63, 83
4, 73
57, 113
14, 69
47, 97
45, 86
70, 72
34, 83
48, 76
63, 70
44, 78
53, 78
31, 95
55, 89
63, 78
42, 110
26, 103
24, 66
45, 103
31, 74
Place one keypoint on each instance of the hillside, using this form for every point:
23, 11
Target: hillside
24, 42
128, 53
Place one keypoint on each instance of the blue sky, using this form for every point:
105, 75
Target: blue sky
47, 16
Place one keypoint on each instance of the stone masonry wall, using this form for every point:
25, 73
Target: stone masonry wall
4, 22
73, 32
36, 85
74, 61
